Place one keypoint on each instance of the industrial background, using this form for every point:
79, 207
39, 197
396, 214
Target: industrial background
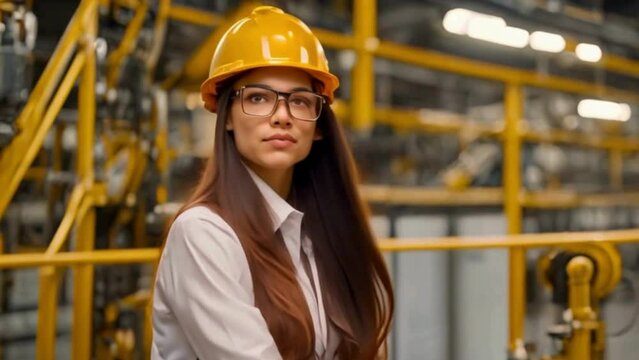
497, 140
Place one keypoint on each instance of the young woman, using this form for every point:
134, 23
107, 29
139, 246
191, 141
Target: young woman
272, 257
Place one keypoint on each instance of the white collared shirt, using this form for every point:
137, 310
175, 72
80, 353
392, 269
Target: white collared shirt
204, 305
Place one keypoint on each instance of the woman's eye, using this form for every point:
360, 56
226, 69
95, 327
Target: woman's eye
299, 102
257, 98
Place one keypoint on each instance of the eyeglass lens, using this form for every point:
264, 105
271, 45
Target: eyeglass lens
303, 105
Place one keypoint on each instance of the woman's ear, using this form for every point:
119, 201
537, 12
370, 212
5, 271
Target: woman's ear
318, 134
229, 124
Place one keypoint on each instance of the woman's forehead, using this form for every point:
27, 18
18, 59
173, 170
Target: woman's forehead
276, 77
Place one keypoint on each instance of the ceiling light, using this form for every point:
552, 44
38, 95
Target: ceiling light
548, 42
492, 31
605, 110
456, 20
588, 52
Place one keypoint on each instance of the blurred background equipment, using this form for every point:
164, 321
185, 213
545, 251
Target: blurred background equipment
505, 130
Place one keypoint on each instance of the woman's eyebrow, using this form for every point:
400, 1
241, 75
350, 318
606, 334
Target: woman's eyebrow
264, 86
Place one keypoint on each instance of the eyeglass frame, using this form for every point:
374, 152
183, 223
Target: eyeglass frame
284, 95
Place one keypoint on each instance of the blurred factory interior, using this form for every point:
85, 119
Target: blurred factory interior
497, 140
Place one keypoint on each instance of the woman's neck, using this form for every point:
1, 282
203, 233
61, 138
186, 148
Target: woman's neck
279, 180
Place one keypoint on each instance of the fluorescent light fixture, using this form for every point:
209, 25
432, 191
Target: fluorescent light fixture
484, 27
487, 30
456, 20
605, 110
588, 52
548, 42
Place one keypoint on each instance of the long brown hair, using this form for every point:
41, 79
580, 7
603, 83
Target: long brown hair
355, 283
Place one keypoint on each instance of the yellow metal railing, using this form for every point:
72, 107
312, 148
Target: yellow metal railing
151, 255
35, 120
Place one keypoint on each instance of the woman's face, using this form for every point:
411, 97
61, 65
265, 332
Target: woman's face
271, 144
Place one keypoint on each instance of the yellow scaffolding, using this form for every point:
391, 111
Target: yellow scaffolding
53, 88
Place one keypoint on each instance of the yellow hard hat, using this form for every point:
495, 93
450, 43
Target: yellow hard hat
267, 37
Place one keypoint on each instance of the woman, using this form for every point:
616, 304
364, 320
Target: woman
272, 256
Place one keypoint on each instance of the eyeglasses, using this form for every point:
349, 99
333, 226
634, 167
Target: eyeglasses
262, 101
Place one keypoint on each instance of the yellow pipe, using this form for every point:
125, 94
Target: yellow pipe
416, 119
620, 65
387, 244
580, 271
47, 312
7, 7
127, 44
615, 169
363, 73
454, 64
512, 206
62, 233
194, 16
334, 40
159, 35
27, 148
608, 61
568, 137
510, 241
29, 260
83, 274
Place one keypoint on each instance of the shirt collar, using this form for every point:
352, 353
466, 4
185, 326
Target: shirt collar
278, 208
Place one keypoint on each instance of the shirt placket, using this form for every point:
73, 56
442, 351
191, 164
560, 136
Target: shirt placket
310, 267
289, 232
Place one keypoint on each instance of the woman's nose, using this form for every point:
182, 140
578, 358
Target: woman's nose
281, 117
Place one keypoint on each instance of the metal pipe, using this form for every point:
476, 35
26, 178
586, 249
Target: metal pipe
62, 233
29, 260
81, 333
363, 86
509, 241
513, 100
159, 35
50, 278
448, 243
454, 64
580, 271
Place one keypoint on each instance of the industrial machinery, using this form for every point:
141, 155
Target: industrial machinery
580, 276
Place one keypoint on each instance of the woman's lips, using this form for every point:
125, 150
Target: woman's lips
281, 141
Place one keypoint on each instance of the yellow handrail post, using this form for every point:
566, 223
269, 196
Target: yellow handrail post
615, 169
50, 281
363, 84
85, 235
47, 312
580, 271
512, 188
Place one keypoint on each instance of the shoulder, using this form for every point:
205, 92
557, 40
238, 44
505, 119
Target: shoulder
200, 219
199, 230
200, 216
